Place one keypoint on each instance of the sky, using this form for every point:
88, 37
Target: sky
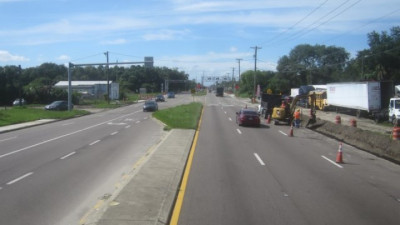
200, 37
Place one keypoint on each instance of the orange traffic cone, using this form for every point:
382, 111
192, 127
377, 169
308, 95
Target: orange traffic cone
269, 119
339, 155
291, 131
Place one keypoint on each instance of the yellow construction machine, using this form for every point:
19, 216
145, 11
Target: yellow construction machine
320, 99
284, 114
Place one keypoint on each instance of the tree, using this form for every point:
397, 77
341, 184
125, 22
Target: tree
318, 64
381, 61
36, 83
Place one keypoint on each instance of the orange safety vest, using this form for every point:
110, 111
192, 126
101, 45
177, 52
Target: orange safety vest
297, 115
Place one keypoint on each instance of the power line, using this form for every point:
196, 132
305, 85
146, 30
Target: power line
370, 22
298, 22
341, 12
86, 57
307, 29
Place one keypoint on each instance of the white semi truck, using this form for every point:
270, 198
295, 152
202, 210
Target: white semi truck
394, 107
364, 98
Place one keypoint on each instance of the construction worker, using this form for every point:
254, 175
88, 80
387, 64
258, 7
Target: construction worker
283, 105
297, 118
313, 118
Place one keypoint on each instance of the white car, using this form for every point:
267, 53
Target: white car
19, 101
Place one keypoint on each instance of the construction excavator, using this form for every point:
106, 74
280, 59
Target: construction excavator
284, 113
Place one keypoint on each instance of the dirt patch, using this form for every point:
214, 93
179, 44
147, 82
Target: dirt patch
378, 144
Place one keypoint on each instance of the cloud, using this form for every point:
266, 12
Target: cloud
164, 35
233, 49
213, 63
64, 58
5, 56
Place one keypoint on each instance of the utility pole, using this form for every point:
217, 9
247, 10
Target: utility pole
108, 80
239, 67
255, 68
233, 77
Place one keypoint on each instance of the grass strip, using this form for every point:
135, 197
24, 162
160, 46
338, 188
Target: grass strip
182, 116
24, 114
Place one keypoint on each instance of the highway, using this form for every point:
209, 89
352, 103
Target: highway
247, 175
54, 173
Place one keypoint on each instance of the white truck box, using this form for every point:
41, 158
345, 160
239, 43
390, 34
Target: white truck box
294, 92
364, 96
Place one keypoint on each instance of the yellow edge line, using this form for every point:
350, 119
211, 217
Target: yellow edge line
179, 200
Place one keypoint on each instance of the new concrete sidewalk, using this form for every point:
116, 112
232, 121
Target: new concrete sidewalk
148, 197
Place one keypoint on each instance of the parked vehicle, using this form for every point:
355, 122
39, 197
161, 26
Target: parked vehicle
160, 98
294, 92
394, 110
220, 92
363, 98
247, 117
19, 102
150, 106
58, 105
320, 99
171, 94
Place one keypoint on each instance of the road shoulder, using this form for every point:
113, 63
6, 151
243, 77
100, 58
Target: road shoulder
149, 195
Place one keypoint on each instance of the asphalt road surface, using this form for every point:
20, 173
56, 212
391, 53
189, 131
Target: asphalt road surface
246, 175
54, 173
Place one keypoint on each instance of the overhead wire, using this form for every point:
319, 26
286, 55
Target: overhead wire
370, 22
323, 23
307, 28
86, 57
295, 24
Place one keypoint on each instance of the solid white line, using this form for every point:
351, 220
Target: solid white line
19, 178
238, 131
94, 142
259, 159
66, 156
8, 139
114, 133
332, 162
128, 126
282, 132
137, 121
65, 135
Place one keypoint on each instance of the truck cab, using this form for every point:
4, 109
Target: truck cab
394, 110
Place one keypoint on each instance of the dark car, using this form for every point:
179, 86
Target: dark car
171, 94
150, 105
247, 117
160, 98
58, 105
19, 101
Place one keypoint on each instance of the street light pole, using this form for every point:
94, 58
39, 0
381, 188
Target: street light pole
108, 80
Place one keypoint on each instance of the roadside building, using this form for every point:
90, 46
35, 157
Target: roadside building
91, 89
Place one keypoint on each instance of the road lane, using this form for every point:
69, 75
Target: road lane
55, 173
219, 190
229, 185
